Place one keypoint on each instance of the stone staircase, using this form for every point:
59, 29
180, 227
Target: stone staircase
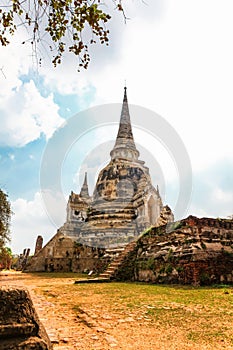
109, 273
116, 263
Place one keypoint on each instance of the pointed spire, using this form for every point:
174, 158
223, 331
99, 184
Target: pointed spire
124, 146
85, 179
84, 190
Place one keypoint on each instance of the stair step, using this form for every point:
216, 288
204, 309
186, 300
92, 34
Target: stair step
116, 263
110, 270
105, 275
93, 280
117, 259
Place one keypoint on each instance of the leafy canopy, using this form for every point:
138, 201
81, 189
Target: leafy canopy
5, 257
60, 25
5, 216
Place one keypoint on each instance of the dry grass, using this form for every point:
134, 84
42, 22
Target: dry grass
130, 315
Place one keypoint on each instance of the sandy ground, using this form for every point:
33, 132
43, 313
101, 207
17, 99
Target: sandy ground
94, 325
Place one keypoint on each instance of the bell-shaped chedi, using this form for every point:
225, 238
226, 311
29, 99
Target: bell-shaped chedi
123, 205
124, 202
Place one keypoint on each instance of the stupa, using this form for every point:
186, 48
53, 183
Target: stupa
124, 203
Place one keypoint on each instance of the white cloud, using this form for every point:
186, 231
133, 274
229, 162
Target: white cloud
103, 58
54, 203
177, 63
12, 156
30, 219
199, 212
180, 67
213, 190
222, 197
14, 62
212, 201
26, 114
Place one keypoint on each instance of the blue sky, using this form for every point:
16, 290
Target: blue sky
176, 57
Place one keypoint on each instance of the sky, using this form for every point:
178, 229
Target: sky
176, 58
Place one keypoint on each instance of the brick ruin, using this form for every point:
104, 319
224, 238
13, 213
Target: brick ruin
39, 244
63, 254
20, 327
191, 251
22, 260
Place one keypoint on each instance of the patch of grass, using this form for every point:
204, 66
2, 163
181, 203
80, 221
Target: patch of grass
148, 264
179, 268
168, 269
78, 309
211, 337
199, 315
227, 253
203, 245
170, 255
175, 225
151, 312
194, 336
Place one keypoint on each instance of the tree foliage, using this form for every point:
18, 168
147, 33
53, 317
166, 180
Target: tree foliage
5, 258
5, 216
60, 25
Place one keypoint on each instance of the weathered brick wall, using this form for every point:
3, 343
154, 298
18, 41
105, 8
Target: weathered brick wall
62, 254
20, 328
191, 251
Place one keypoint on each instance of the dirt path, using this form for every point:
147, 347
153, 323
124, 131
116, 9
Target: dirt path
83, 317
66, 329
60, 323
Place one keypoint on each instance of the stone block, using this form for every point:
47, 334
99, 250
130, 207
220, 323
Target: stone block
20, 328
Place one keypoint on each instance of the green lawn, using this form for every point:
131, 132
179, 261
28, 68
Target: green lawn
185, 316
